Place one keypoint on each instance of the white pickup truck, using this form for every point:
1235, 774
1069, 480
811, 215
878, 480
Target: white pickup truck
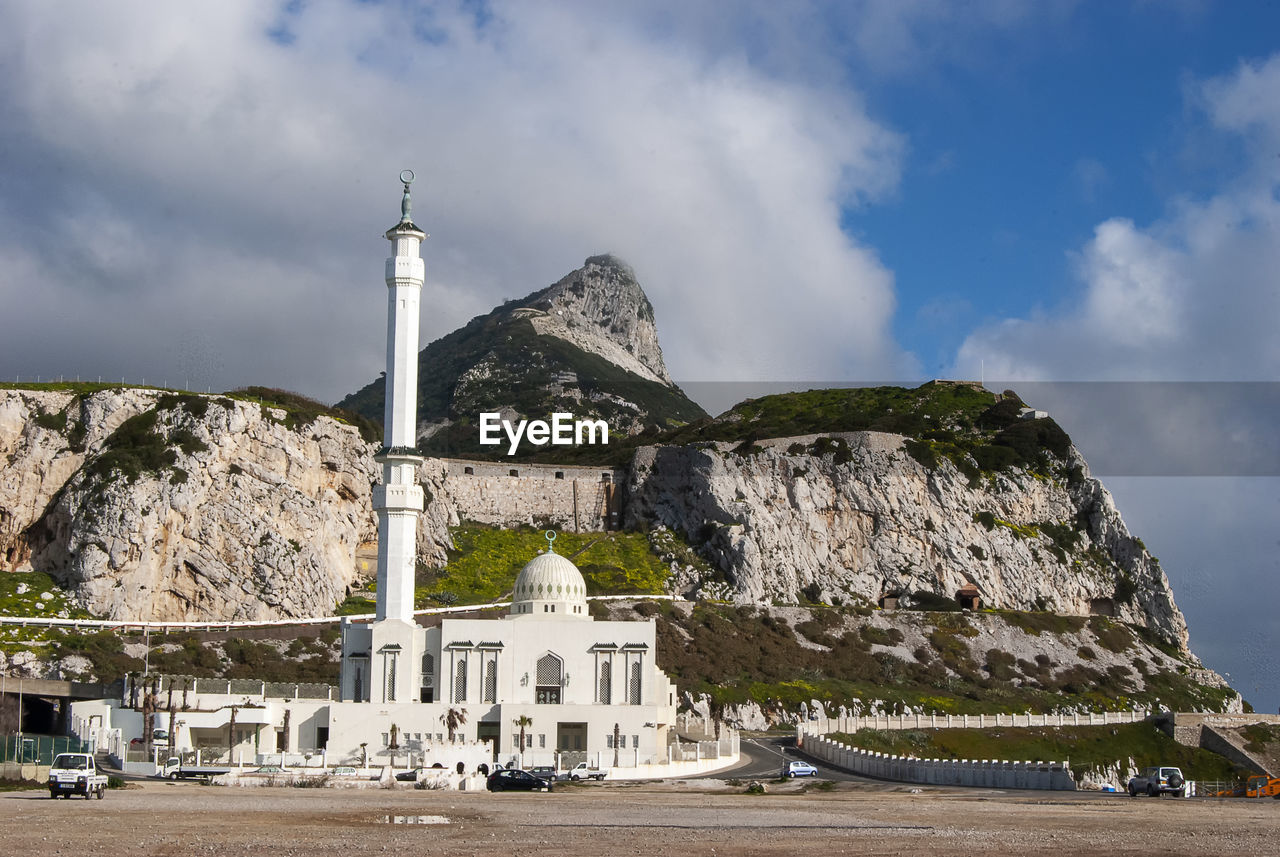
76, 774
583, 771
175, 770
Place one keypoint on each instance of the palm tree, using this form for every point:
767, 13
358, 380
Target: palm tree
522, 722
452, 719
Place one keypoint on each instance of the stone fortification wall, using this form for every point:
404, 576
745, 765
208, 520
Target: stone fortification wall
1188, 728
985, 773
577, 499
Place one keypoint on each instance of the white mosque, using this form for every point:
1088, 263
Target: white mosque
518, 669
463, 690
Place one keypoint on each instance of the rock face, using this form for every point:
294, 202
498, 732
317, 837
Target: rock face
586, 345
784, 523
147, 505
601, 309
218, 509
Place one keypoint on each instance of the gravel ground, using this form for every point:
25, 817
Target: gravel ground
691, 819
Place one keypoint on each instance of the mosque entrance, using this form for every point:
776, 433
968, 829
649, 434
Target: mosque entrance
571, 736
489, 731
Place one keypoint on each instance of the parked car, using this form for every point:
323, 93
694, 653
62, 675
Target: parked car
1156, 781
409, 776
345, 771
547, 772
799, 769
516, 780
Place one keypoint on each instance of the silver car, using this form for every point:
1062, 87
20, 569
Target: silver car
1158, 780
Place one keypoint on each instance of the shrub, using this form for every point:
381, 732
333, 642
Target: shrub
1000, 664
1112, 636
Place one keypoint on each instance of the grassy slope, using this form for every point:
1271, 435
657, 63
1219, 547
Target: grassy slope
484, 563
744, 654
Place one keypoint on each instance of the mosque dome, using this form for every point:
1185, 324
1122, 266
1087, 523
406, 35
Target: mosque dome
549, 586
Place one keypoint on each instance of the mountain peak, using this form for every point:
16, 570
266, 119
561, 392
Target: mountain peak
601, 309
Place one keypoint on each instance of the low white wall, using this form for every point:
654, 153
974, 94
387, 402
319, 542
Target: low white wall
943, 772
895, 722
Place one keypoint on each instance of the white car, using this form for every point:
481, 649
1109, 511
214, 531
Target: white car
800, 769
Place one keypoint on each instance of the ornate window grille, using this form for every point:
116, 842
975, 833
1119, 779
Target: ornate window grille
550, 672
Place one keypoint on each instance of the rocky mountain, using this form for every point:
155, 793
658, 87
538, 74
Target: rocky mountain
987, 504
146, 504
586, 345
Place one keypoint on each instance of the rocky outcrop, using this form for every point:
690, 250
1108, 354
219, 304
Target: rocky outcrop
218, 509
146, 504
873, 523
586, 345
601, 309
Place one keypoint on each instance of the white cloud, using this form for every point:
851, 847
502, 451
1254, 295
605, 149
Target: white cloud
177, 174
1190, 297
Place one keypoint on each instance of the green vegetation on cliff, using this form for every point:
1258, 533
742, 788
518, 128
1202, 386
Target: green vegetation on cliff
485, 561
974, 428
740, 654
496, 361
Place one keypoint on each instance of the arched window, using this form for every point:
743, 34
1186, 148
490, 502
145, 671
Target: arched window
460, 682
635, 683
550, 669
427, 689
491, 681
606, 683
389, 663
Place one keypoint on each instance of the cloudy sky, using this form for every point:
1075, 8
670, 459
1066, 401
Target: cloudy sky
194, 195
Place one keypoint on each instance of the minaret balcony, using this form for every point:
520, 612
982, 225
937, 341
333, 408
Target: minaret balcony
405, 270
395, 496
398, 455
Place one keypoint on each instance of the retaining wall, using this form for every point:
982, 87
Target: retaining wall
982, 773
896, 722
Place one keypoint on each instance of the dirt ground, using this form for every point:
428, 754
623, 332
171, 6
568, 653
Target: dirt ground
690, 819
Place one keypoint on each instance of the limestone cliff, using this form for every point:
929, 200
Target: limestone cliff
601, 309
147, 505
867, 521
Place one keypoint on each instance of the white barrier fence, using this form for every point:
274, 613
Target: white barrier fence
943, 772
898, 722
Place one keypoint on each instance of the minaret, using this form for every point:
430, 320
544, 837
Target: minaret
380, 661
398, 500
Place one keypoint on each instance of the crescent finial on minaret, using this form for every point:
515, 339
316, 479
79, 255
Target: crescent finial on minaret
406, 205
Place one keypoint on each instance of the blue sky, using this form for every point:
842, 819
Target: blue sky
1019, 149
809, 191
